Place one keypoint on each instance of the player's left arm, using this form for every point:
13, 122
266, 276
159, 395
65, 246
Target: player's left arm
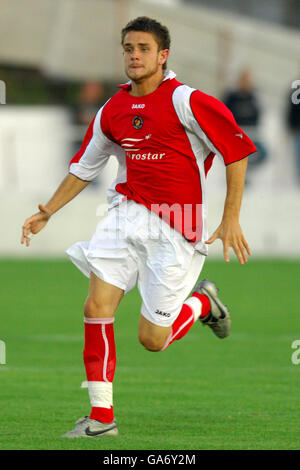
214, 123
229, 231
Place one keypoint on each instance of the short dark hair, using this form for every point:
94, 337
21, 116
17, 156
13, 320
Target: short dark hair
148, 25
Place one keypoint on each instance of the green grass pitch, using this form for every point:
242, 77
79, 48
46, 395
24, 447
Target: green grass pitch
202, 393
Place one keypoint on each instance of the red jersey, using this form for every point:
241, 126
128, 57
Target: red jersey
165, 143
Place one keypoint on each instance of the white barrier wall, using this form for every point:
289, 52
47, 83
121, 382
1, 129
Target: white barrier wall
35, 148
32, 145
270, 223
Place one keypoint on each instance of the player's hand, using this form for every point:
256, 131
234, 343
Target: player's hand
35, 223
231, 234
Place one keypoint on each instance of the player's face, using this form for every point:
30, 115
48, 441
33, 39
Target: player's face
141, 56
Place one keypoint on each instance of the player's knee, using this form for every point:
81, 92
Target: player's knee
151, 343
95, 309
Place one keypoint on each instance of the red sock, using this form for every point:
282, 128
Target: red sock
99, 357
189, 313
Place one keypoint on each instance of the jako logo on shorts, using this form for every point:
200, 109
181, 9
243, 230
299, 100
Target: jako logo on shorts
164, 314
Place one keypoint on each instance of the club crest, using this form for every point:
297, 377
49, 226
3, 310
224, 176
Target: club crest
137, 122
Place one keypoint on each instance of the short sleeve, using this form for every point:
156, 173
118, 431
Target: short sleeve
94, 152
214, 123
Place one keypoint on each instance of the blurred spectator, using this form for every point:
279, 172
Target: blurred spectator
244, 104
293, 122
90, 98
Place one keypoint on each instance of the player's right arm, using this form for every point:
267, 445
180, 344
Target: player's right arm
68, 189
84, 167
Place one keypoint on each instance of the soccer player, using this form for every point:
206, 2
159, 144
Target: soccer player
165, 136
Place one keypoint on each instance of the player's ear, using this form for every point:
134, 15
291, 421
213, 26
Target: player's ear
163, 56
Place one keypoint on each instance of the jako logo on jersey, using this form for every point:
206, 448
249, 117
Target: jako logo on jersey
137, 122
138, 106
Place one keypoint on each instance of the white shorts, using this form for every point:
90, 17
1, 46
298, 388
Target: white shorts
134, 245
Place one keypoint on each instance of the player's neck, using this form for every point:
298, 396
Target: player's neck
146, 86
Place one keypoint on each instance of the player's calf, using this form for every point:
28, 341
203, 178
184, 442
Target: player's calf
152, 343
151, 336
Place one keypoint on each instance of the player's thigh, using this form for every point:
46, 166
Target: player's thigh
103, 298
152, 336
165, 281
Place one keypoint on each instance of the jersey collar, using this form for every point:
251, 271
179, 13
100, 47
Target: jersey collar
169, 75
